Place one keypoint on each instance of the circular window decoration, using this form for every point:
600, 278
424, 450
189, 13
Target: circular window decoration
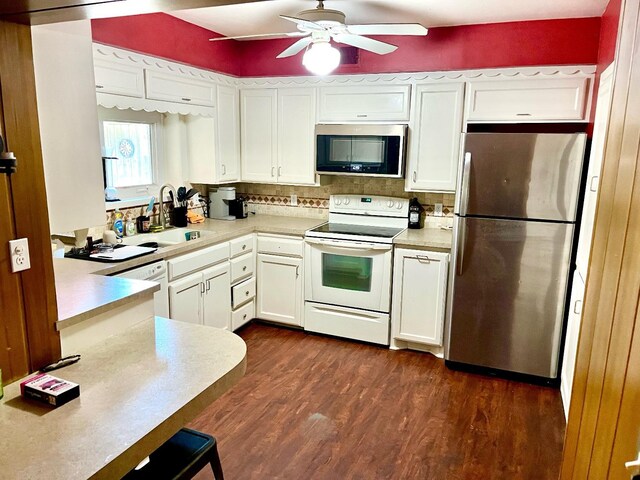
126, 148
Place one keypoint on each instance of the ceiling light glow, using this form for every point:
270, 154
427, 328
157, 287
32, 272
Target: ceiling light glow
321, 58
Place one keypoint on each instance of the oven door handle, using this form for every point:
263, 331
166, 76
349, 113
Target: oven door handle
349, 245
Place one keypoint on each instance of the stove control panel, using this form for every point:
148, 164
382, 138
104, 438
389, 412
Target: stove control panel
369, 205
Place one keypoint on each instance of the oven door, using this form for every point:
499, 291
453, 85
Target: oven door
351, 274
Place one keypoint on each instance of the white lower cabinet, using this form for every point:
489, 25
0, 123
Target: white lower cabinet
279, 289
574, 319
203, 298
419, 295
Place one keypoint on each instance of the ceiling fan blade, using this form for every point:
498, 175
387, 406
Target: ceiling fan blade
296, 47
388, 29
313, 26
261, 36
365, 43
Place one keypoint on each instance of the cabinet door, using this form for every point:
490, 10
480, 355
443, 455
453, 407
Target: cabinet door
175, 88
113, 77
370, 103
258, 127
217, 296
280, 289
419, 294
436, 129
601, 122
228, 130
185, 299
201, 153
574, 320
296, 135
528, 100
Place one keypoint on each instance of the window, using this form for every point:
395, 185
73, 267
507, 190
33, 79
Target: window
131, 150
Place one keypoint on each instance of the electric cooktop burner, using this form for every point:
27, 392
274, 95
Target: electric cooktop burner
357, 230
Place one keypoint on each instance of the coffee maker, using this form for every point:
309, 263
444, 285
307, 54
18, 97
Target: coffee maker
220, 199
239, 208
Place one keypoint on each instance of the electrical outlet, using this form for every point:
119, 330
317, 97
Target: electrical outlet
19, 252
437, 211
294, 200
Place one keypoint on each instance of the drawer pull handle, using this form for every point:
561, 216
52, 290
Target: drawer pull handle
415, 176
244, 269
523, 114
244, 317
361, 115
185, 99
244, 247
423, 259
99, 86
593, 185
577, 307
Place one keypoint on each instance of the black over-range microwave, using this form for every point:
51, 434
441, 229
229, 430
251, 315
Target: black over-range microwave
356, 149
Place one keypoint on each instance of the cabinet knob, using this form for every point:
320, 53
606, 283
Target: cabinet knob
244, 247
244, 317
244, 269
247, 293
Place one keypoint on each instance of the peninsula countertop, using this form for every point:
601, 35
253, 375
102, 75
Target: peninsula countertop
137, 389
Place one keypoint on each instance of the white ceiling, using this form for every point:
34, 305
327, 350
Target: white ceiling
262, 16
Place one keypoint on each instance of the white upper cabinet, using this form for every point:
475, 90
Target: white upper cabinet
537, 100
601, 122
259, 134
68, 118
434, 137
119, 79
201, 149
228, 134
175, 88
277, 135
296, 135
365, 103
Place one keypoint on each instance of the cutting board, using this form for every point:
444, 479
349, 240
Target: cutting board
123, 253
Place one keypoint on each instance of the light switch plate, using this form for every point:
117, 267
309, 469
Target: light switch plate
437, 210
19, 252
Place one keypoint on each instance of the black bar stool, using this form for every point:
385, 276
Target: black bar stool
180, 458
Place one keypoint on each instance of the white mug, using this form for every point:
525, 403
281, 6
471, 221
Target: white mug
110, 237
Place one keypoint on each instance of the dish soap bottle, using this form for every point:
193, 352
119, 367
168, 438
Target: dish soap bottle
118, 224
416, 218
129, 227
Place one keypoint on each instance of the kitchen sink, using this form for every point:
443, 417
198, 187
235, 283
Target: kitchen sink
166, 238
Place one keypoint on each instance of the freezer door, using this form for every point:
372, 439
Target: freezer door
521, 175
509, 282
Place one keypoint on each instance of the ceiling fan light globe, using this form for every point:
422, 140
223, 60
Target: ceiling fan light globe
321, 58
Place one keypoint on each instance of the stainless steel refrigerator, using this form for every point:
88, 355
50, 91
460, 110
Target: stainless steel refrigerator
513, 236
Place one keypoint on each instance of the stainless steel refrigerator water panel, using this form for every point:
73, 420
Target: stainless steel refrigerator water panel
509, 281
521, 175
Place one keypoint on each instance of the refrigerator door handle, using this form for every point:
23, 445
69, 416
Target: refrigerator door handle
460, 244
464, 184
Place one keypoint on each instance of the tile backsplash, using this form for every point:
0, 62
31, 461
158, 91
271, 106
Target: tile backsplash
276, 199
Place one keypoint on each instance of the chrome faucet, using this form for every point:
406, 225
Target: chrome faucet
163, 220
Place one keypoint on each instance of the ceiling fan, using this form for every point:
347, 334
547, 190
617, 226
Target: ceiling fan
319, 26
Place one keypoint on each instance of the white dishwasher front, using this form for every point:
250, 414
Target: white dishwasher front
154, 272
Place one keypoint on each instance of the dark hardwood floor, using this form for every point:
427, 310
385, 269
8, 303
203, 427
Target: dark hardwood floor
313, 407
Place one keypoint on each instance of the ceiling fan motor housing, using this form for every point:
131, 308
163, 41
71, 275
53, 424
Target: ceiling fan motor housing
323, 16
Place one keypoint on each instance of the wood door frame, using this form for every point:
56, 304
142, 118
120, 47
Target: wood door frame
595, 445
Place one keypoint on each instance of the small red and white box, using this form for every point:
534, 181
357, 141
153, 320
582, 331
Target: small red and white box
49, 389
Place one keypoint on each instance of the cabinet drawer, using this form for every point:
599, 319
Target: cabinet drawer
243, 315
371, 103
113, 77
174, 88
243, 292
242, 267
241, 245
280, 245
199, 260
528, 100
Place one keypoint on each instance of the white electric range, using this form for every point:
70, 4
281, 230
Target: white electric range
348, 263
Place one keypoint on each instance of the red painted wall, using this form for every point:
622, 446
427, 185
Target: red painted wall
162, 35
545, 42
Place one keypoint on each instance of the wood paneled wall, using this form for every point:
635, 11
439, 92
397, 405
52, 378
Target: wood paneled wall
28, 297
604, 420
